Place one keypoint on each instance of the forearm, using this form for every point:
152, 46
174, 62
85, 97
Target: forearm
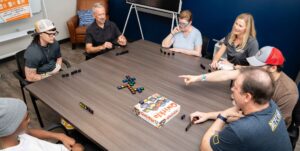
167, 42
220, 52
216, 127
42, 134
187, 52
92, 49
59, 61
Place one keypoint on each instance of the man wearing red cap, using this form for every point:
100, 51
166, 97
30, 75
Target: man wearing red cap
268, 58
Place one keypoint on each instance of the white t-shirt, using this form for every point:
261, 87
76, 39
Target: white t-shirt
29, 143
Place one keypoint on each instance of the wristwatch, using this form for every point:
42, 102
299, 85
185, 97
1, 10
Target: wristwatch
224, 119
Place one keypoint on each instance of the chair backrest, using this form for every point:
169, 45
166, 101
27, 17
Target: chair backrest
296, 111
205, 43
21, 62
88, 4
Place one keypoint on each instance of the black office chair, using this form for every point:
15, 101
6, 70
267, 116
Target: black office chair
20, 75
294, 127
204, 50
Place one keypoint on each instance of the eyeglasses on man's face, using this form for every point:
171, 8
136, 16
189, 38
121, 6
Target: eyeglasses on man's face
54, 33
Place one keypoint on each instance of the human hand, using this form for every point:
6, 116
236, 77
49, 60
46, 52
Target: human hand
175, 30
232, 114
122, 40
108, 45
188, 79
202, 117
67, 141
56, 69
77, 147
214, 64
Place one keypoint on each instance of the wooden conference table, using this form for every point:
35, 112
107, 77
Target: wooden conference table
114, 124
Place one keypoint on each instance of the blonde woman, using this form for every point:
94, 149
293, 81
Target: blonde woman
185, 38
239, 44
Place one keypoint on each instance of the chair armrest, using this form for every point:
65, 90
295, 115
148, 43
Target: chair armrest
67, 63
72, 23
20, 78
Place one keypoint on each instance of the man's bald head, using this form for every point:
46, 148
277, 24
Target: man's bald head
258, 83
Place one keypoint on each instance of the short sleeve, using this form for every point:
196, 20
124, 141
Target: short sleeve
31, 61
88, 37
225, 140
226, 41
198, 39
253, 47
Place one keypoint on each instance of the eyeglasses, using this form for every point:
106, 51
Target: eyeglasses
184, 24
52, 34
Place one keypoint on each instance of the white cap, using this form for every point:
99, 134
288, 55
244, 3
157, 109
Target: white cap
43, 25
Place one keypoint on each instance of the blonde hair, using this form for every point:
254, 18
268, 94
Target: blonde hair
250, 29
97, 5
186, 14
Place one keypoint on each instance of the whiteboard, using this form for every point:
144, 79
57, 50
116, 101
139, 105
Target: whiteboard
36, 6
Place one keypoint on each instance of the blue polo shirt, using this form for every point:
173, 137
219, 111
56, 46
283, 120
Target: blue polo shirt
189, 42
259, 131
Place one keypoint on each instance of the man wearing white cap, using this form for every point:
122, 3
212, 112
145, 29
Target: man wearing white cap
16, 136
268, 58
42, 57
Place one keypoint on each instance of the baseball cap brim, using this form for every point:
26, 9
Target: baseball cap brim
254, 62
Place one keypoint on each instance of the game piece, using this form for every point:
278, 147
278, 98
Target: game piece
209, 70
130, 83
85, 107
79, 70
183, 116
191, 123
202, 66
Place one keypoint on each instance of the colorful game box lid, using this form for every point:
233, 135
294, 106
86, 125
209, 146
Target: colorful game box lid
157, 110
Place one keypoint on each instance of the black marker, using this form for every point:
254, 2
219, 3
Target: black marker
83, 106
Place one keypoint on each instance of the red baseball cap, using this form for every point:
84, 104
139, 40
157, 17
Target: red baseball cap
267, 55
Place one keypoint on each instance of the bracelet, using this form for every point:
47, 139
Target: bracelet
203, 77
224, 119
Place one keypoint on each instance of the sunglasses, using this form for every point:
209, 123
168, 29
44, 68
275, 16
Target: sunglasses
52, 34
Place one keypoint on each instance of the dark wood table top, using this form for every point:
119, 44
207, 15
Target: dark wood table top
114, 124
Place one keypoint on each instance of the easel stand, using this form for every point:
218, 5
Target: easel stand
134, 6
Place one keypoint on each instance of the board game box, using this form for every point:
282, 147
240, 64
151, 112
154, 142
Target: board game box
157, 110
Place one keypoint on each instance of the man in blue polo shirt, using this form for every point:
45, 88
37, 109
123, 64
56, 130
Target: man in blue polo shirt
259, 125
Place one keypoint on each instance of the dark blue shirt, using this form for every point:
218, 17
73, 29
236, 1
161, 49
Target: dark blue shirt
43, 59
259, 131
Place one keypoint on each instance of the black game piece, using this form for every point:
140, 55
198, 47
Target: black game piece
183, 116
122, 52
72, 72
161, 51
141, 102
191, 123
202, 66
168, 53
79, 70
173, 53
164, 52
209, 70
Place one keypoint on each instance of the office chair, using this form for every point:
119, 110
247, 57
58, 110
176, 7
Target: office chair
293, 129
20, 75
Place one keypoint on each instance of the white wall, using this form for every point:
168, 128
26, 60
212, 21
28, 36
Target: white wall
59, 11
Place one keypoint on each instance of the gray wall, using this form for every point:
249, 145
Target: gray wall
59, 11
